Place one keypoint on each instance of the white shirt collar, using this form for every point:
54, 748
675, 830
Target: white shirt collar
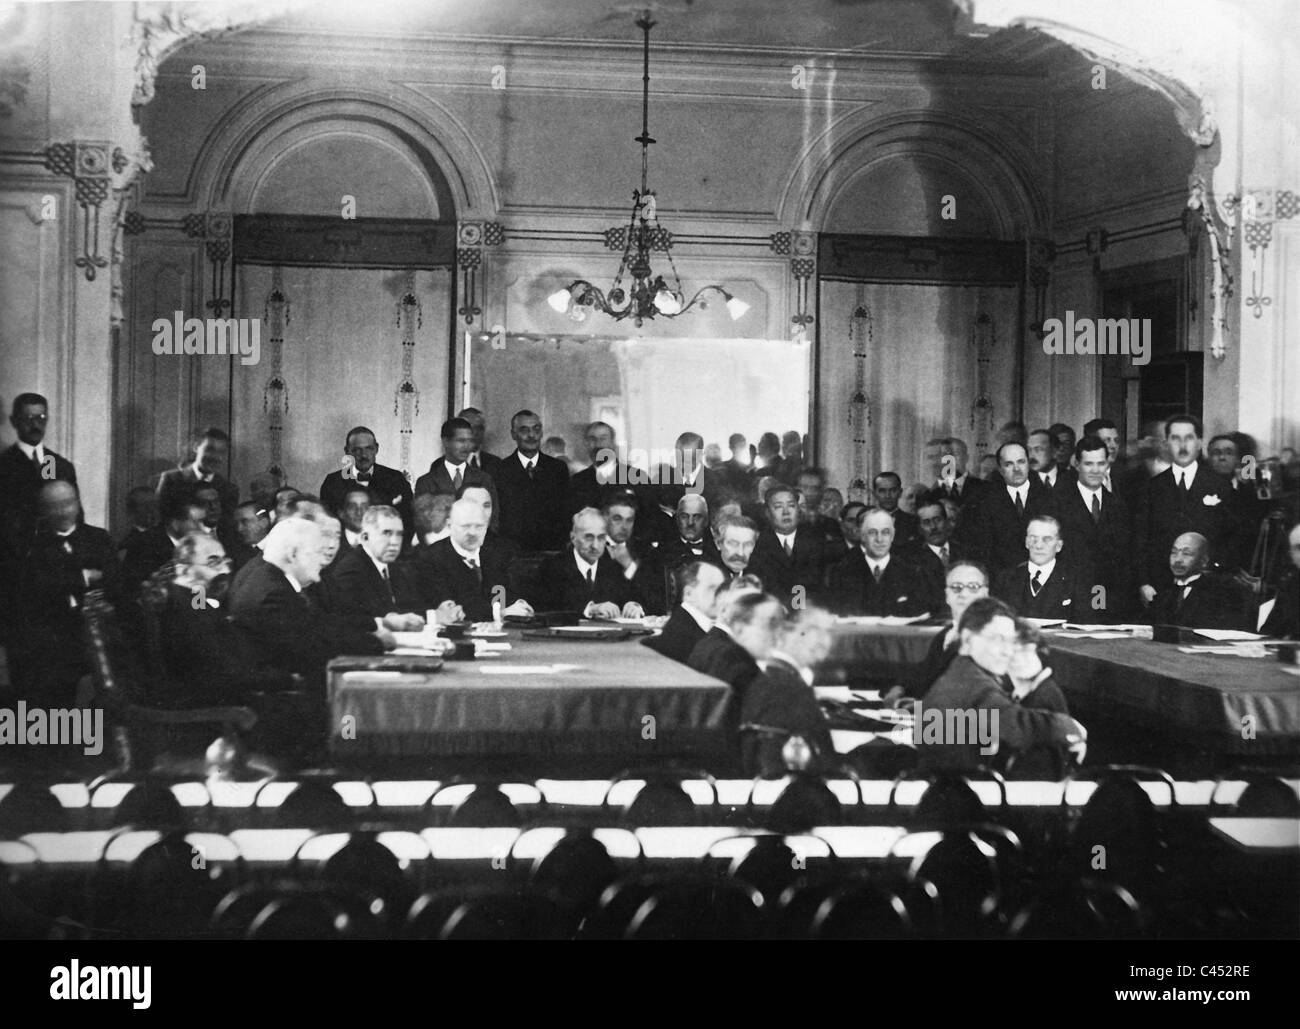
465, 555
434, 537
452, 469
352, 538
379, 565
883, 562
786, 537
1046, 569
1088, 494
1189, 580
33, 452
525, 460
1049, 476
806, 674
297, 586
1022, 489
937, 551
583, 566
1189, 473
66, 532
701, 619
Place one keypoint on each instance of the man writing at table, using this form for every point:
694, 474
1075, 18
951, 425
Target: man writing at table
584, 578
466, 572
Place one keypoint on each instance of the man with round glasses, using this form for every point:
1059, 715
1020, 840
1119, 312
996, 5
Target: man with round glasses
966, 581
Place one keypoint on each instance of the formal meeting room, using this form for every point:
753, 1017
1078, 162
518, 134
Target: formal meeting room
664, 470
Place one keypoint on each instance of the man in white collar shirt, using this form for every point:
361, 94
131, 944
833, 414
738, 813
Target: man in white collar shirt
584, 578
1183, 498
621, 513
463, 575
947, 457
1042, 457
1198, 597
873, 580
205, 460
1095, 524
367, 583
453, 471
699, 583
149, 551
478, 457
1108, 432
532, 490
992, 527
24, 467
1047, 585
789, 558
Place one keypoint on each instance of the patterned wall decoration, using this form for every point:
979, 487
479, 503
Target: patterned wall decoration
983, 338
860, 338
801, 248
87, 163
214, 228
471, 238
406, 399
1259, 209
275, 394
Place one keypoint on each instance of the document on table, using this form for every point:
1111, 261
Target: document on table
1229, 635
1239, 650
528, 669
880, 619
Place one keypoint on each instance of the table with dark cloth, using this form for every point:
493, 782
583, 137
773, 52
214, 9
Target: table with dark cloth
615, 701
874, 652
1150, 701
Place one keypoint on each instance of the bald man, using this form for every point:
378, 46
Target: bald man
1197, 597
583, 577
467, 571
63, 559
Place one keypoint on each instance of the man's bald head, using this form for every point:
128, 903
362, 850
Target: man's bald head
58, 505
1190, 555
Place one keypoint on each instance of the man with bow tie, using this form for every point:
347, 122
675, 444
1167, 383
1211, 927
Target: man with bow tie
947, 457
690, 541
360, 469
1186, 497
63, 559
1197, 597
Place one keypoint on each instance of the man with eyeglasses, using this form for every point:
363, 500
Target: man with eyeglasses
1048, 585
24, 468
970, 694
965, 582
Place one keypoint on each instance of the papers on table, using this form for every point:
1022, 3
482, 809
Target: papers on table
1103, 635
1230, 650
1228, 635
528, 669
1081, 631
846, 695
1046, 623
880, 619
415, 652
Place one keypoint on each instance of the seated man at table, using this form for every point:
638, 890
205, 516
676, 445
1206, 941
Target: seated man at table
1034, 687
780, 702
206, 661
1284, 619
790, 558
267, 605
1198, 597
467, 572
1047, 585
368, 583
967, 720
699, 583
720, 653
583, 577
965, 582
636, 558
431, 512
872, 580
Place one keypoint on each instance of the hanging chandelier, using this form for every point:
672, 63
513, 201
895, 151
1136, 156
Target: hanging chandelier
647, 295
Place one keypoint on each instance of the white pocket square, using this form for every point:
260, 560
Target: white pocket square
1065, 602
1211, 500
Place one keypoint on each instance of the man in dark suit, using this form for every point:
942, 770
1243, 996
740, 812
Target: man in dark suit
947, 457
692, 540
849, 515
583, 577
63, 559
811, 486
780, 702
1065, 444
452, 471
934, 550
252, 524
739, 468
204, 463
1095, 524
1115, 479
688, 473
533, 489
967, 717
875, 581
699, 583
478, 457
467, 571
966, 581
607, 474
887, 487
24, 468
1247, 510
142, 509
368, 583
741, 637
1047, 585
359, 468
1042, 457
635, 557
790, 559
736, 540
1197, 597
147, 552
267, 605
993, 527
1186, 497
205, 661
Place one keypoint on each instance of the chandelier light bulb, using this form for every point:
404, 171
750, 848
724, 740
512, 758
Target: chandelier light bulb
668, 302
560, 300
736, 308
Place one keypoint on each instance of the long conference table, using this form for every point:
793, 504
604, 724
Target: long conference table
545, 702
1229, 707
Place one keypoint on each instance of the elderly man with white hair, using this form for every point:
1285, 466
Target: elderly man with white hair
466, 573
583, 577
266, 603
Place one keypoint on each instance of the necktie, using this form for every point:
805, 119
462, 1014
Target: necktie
943, 555
1096, 507
36, 460
473, 565
1036, 583
473, 459
876, 573
591, 581
456, 482
786, 543
530, 466
1020, 506
1182, 482
388, 582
